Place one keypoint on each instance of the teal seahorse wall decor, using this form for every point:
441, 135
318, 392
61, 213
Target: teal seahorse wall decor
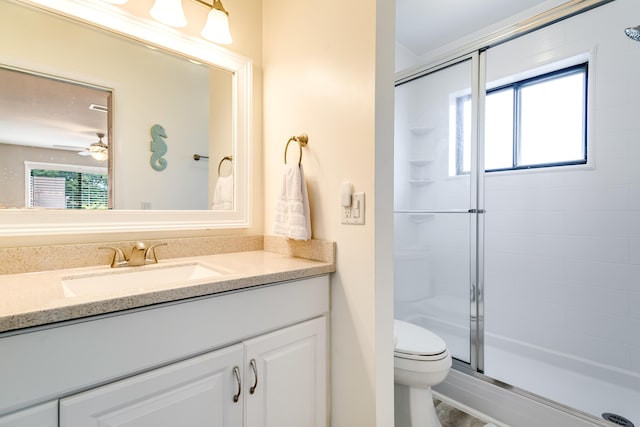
158, 148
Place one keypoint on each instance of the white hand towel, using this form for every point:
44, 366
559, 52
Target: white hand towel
293, 219
223, 193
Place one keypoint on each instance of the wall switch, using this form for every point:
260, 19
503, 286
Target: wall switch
354, 214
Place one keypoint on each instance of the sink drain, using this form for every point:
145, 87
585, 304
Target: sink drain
617, 419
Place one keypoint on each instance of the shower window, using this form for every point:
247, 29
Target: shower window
532, 123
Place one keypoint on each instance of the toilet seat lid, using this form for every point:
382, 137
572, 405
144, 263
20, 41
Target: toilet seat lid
415, 340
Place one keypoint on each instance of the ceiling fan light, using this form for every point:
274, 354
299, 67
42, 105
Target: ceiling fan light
100, 156
169, 12
216, 29
99, 150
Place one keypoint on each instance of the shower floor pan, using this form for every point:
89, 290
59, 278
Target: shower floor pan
582, 386
586, 386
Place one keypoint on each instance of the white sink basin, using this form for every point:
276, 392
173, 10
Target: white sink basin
136, 278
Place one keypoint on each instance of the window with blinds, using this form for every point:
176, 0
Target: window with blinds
66, 186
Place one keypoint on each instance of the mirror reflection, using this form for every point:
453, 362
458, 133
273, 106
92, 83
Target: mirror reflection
52, 153
57, 152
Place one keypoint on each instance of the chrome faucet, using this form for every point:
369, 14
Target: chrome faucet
140, 255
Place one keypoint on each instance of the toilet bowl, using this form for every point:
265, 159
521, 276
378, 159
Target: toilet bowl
421, 360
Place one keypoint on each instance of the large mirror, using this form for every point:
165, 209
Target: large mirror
197, 93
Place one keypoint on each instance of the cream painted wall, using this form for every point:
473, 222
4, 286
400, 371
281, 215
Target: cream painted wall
328, 73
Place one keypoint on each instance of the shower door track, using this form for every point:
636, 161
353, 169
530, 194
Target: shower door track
465, 368
429, 211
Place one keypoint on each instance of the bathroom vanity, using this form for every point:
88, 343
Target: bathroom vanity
240, 349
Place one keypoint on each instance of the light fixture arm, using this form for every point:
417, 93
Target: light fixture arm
170, 12
217, 5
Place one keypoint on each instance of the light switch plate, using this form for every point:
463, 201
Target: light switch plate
354, 214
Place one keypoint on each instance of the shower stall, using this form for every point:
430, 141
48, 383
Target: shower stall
517, 210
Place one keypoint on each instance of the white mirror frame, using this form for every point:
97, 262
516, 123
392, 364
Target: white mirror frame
30, 222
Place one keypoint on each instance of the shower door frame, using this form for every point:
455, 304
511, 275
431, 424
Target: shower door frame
476, 51
476, 201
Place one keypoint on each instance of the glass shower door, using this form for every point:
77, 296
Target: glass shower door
435, 210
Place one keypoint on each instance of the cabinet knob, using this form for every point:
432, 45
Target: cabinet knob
236, 373
254, 368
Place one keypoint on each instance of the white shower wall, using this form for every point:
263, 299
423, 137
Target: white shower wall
562, 245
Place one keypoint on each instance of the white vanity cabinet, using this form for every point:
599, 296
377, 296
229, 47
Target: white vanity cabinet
281, 382
286, 377
177, 364
197, 392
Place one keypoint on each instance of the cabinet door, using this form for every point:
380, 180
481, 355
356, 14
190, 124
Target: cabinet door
45, 415
198, 392
288, 368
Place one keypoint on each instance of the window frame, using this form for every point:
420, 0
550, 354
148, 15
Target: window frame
581, 68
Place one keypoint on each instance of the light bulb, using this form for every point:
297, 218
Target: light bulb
169, 12
217, 27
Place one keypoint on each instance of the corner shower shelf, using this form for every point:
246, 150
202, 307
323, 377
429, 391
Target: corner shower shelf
420, 182
420, 162
420, 130
419, 218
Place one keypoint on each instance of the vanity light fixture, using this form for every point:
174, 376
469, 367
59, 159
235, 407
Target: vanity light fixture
216, 29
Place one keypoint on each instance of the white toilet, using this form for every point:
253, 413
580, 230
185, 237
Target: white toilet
421, 360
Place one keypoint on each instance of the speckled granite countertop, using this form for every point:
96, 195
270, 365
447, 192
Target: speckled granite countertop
32, 299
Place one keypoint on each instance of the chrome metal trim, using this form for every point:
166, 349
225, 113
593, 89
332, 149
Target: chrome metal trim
474, 349
428, 211
479, 203
464, 367
435, 66
541, 20
480, 291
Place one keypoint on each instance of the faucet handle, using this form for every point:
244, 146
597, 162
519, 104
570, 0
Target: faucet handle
151, 250
139, 246
119, 258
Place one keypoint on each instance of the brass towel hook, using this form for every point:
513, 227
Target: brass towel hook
302, 141
229, 158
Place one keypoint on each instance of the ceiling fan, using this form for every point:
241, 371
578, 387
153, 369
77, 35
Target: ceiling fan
98, 150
